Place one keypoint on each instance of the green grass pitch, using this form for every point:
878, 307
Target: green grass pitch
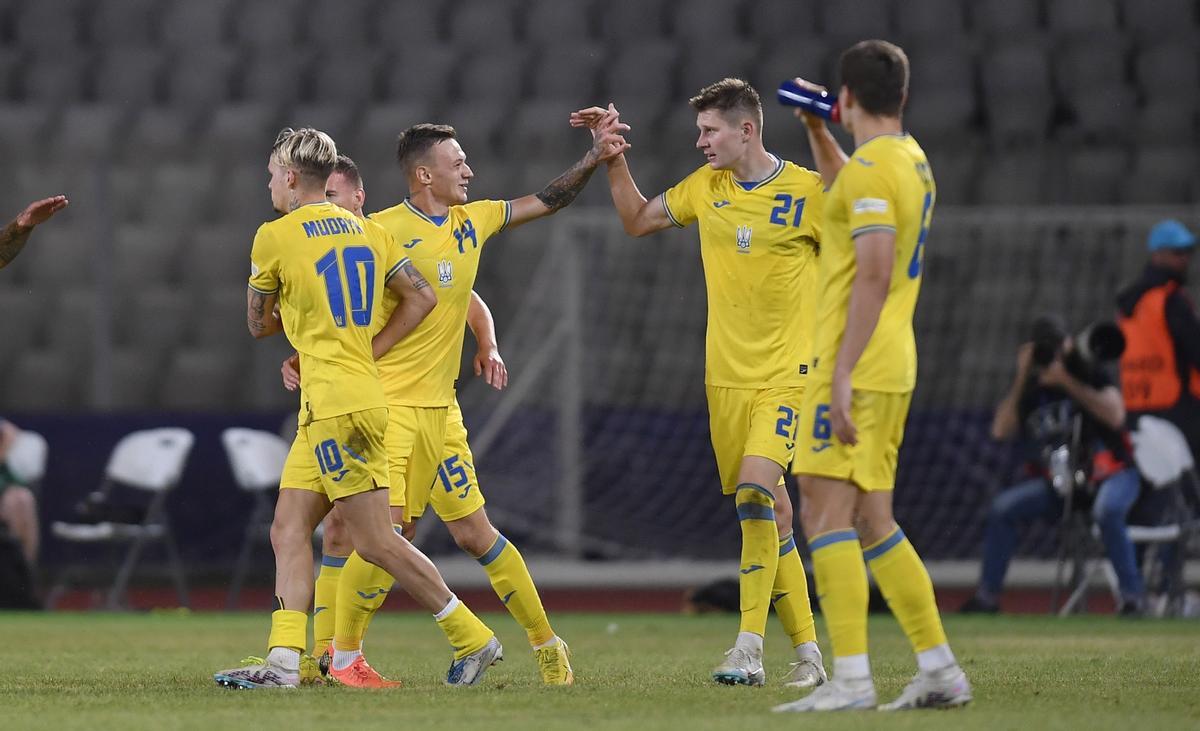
633, 671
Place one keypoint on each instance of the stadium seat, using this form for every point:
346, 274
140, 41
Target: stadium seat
807, 57
194, 26
1091, 62
421, 73
74, 316
703, 65
220, 325
262, 386
339, 121
1154, 22
1080, 18
23, 130
55, 79
48, 25
144, 255
268, 26
631, 24
240, 132
24, 313
474, 25
399, 26
129, 75
153, 320
568, 71
708, 23
60, 256
646, 69
42, 380
120, 23
256, 459
217, 257
777, 24
1105, 115
347, 77
1171, 122
340, 27
559, 22
1006, 19
955, 169
1163, 175
150, 462
936, 21
183, 192
268, 77
1013, 177
135, 381
847, 23
478, 123
479, 80
541, 132
1169, 72
200, 379
11, 61
159, 133
200, 80
375, 148
89, 132
1093, 175
1017, 98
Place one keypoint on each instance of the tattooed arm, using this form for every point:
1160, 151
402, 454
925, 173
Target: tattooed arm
16, 234
261, 317
417, 300
607, 143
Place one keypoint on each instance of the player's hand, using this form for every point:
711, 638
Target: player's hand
608, 141
839, 409
41, 211
590, 117
490, 365
810, 120
291, 372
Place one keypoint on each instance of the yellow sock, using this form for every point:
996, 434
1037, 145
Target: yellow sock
289, 629
905, 585
467, 634
842, 586
325, 602
790, 594
361, 590
510, 579
760, 554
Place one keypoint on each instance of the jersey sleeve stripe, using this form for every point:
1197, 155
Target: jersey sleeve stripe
670, 215
392, 272
264, 291
871, 229
507, 216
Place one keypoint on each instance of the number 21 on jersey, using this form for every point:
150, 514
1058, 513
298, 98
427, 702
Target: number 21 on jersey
358, 264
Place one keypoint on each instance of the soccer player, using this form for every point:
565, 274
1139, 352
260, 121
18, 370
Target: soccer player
445, 235
457, 498
15, 235
327, 273
760, 227
877, 216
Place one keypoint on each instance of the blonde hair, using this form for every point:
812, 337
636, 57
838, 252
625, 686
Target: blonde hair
310, 152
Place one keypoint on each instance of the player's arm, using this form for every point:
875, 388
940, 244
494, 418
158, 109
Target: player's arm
1005, 422
827, 153
875, 254
417, 300
559, 193
638, 216
488, 362
16, 234
261, 315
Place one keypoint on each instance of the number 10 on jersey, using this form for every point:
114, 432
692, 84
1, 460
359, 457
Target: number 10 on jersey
358, 263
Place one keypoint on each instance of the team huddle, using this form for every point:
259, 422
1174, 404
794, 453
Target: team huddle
812, 282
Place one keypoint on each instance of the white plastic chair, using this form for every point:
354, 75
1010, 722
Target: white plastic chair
150, 461
27, 458
256, 458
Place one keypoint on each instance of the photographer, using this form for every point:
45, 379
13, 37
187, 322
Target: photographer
1069, 413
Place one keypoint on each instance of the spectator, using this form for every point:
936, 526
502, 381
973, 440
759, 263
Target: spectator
1160, 369
1054, 385
18, 506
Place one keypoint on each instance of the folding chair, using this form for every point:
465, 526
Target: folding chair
149, 461
256, 458
1165, 462
26, 459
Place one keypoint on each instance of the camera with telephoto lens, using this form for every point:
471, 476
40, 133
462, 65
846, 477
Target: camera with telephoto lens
1100, 342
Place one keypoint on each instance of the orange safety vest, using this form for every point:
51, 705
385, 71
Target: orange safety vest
1150, 378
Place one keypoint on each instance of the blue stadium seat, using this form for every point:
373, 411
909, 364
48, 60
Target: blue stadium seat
117, 23
559, 21
474, 25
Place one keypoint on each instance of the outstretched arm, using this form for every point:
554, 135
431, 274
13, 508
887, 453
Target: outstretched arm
638, 215
16, 234
607, 143
417, 300
488, 362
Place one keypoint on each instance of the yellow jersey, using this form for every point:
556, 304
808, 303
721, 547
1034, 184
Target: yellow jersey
759, 244
420, 370
330, 276
886, 185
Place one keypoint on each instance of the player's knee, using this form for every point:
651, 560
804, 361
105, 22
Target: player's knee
754, 502
475, 540
783, 517
19, 504
287, 535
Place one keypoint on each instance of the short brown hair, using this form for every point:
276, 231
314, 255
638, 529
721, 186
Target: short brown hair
876, 72
729, 95
310, 152
414, 142
347, 168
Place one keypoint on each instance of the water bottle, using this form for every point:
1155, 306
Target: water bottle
821, 103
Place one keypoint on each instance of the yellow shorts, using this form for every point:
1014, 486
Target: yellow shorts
456, 491
751, 422
414, 446
870, 465
340, 456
